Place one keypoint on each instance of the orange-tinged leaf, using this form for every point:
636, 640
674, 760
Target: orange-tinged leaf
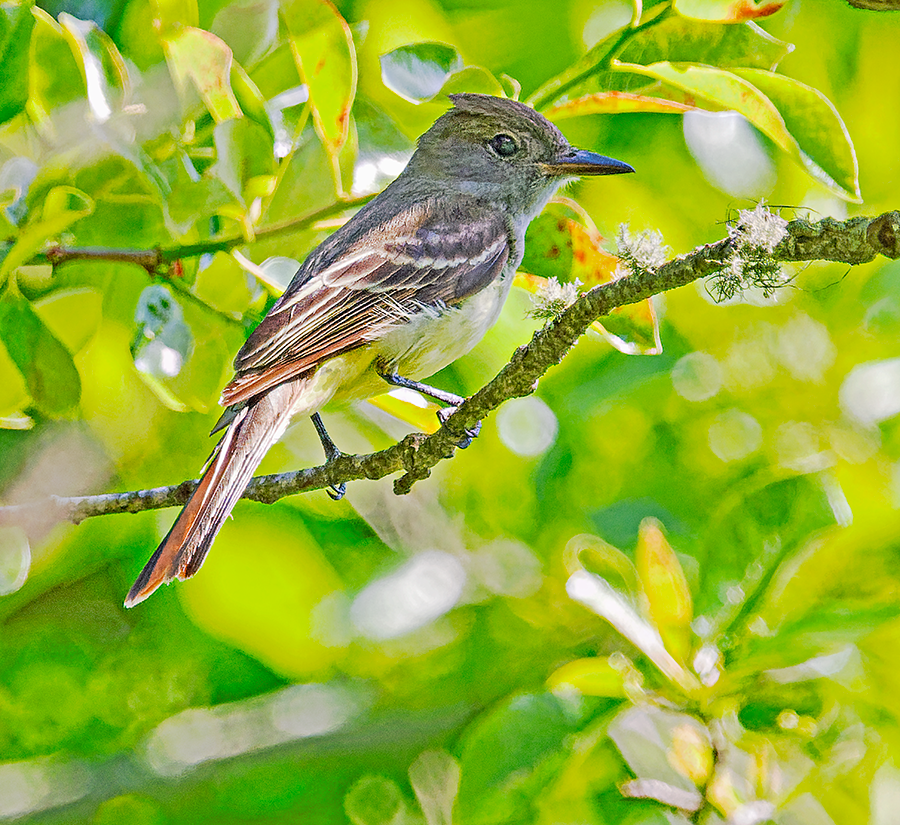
727, 11
632, 329
615, 103
528, 282
563, 243
665, 586
323, 49
199, 57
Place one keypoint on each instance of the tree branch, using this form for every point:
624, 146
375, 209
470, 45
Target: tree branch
157, 261
854, 241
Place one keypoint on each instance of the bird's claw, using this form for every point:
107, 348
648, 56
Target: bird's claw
332, 453
471, 432
336, 491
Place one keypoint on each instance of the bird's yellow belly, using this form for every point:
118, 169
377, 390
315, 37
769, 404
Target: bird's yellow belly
417, 348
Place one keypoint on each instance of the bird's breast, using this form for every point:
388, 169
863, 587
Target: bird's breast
427, 341
437, 335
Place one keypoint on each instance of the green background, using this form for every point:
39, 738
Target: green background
764, 439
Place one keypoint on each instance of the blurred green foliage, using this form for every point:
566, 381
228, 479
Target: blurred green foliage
662, 590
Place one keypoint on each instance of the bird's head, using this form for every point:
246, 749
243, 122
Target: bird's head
503, 150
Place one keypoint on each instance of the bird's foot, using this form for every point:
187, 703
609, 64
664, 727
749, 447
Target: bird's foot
335, 491
471, 432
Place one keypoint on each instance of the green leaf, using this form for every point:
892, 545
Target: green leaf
138, 18
102, 67
62, 207
383, 149
245, 160
418, 72
200, 58
16, 24
827, 151
225, 285
680, 40
13, 391
170, 15
54, 76
472, 79
323, 48
47, 366
127, 195
72, 315
666, 588
727, 11
726, 90
825, 630
249, 27
248, 96
593, 676
305, 186
503, 754
597, 58
749, 541
196, 200
797, 132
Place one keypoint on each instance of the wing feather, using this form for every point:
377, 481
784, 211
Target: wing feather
437, 255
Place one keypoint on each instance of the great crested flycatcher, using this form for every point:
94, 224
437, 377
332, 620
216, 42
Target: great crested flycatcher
408, 285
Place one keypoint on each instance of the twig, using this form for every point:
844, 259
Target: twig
157, 261
854, 241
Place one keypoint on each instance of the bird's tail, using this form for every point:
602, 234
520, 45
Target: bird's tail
248, 437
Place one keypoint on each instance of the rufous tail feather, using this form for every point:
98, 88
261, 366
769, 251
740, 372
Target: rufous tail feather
247, 439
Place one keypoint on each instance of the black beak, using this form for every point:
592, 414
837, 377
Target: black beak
582, 162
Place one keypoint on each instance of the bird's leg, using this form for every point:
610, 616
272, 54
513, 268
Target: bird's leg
336, 491
450, 399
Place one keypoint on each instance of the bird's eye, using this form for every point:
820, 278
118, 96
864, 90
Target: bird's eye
503, 145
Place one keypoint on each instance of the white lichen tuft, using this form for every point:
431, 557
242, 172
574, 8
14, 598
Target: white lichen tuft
759, 227
553, 298
755, 234
642, 251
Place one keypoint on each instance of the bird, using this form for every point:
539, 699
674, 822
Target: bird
408, 285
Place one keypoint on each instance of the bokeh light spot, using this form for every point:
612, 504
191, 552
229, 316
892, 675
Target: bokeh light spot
527, 426
697, 376
734, 435
425, 588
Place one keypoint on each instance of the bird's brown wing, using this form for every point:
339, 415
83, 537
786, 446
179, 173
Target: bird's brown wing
437, 254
